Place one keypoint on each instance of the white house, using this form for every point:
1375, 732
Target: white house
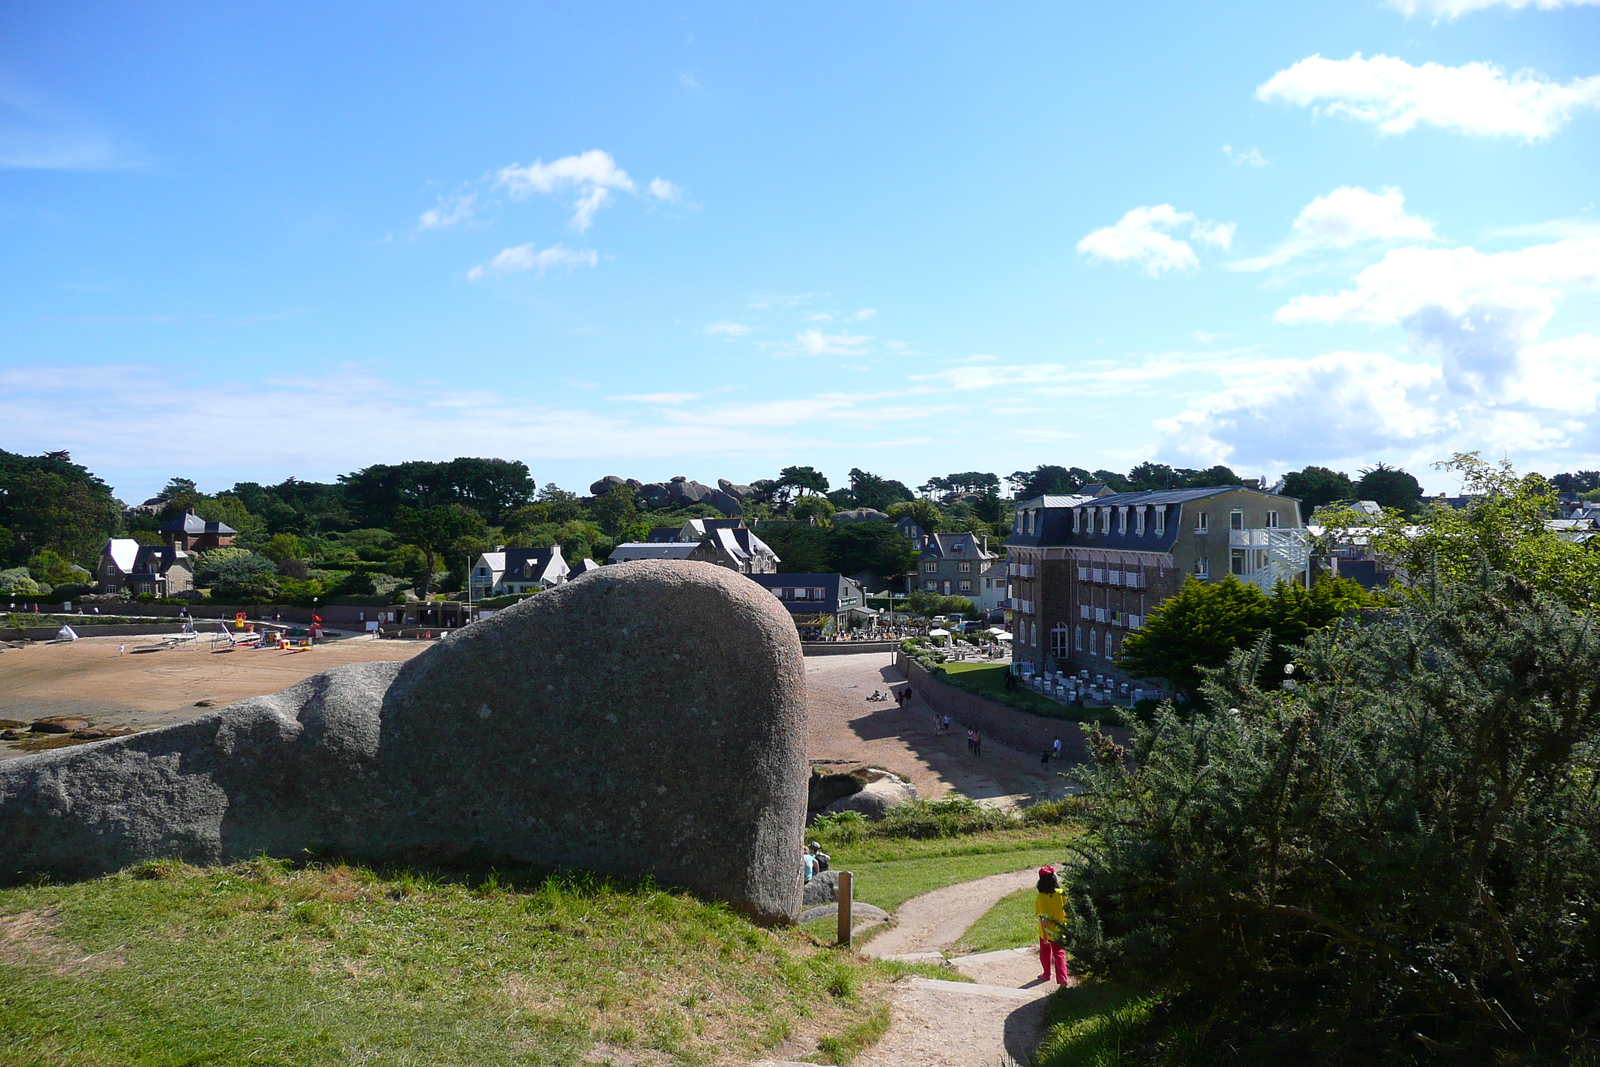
518, 570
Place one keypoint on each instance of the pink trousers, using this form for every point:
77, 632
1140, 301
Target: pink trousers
1052, 955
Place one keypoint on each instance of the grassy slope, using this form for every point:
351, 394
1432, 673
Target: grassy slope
263, 964
1009, 924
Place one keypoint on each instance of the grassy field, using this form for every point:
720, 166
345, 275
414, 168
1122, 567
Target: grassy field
1009, 924
266, 963
1094, 1025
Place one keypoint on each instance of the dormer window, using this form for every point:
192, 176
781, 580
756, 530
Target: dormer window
1161, 521
1122, 520
1105, 520
1138, 521
1077, 520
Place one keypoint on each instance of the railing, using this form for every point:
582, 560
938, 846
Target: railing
1085, 611
1020, 570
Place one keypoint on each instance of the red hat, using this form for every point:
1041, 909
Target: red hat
1047, 869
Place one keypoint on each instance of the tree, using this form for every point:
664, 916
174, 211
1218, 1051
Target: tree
1147, 476
803, 548
178, 489
48, 566
922, 512
872, 547
617, 510
284, 546
439, 529
812, 508
870, 491
237, 575
1396, 860
1390, 487
794, 481
490, 486
1212, 476
1580, 483
1317, 487
1206, 622
48, 501
561, 505
1048, 480
926, 604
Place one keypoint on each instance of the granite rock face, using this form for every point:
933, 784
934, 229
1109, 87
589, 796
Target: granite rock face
648, 719
876, 798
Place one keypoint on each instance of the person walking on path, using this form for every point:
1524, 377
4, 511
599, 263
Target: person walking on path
977, 743
1055, 748
1051, 909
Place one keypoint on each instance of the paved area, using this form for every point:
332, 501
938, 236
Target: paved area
846, 726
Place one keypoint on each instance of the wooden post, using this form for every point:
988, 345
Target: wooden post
846, 898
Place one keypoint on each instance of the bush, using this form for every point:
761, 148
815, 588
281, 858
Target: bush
18, 580
1400, 852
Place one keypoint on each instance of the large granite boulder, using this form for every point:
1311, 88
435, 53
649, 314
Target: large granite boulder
740, 493
822, 889
654, 495
859, 515
605, 485
649, 719
724, 503
876, 798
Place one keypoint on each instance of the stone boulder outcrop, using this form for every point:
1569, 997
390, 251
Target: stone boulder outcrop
859, 515
822, 889
876, 798
649, 719
605, 485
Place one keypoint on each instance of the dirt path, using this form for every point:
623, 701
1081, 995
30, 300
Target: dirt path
994, 1020
844, 725
935, 921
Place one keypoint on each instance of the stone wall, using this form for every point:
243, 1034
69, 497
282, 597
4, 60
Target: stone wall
1012, 727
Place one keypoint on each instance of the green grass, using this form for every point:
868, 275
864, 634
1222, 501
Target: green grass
1093, 1025
1009, 924
890, 883
265, 963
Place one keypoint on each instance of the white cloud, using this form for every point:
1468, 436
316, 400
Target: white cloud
527, 257
1475, 98
817, 343
1478, 375
667, 399
1248, 158
1450, 9
594, 175
729, 330
449, 212
1141, 236
864, 314
1409, 280
1347, 216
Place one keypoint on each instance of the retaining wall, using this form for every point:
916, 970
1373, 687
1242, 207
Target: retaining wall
48, 633
1012, 727
847, 648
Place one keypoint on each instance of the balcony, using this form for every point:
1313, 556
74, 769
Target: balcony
1269, 555
1020, 570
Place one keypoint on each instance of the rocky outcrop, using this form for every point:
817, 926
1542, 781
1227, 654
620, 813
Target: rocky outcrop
875, 799
859, 515
822, 889
661, 733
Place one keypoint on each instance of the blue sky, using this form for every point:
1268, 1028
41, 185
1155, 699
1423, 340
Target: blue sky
251, 241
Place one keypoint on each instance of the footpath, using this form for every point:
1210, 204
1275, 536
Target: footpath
994, 1020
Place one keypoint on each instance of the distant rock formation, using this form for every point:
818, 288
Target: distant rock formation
663, 734
859, 515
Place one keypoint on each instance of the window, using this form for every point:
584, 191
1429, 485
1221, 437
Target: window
1058, 642
1033, 519
1202, 568
1105, 520
819, 594
1122, 520
1236, 519
1161, 522
1016, 522
1272, 520
1077, 520
1138, 522
964, 585
964, 567
1236, 561
932, 587
1111, 647
1094, 643
1200, 525
1077, 638
930, 567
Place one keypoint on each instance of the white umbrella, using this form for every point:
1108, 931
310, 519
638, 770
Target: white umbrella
1001, 635
936, 632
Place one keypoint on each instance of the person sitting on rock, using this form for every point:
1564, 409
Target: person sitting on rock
809, 863
822, 860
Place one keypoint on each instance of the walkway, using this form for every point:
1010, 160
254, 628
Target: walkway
991, 1021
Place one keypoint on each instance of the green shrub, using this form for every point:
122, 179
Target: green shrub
1401, 852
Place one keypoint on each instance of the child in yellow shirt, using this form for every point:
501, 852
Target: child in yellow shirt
1051, 908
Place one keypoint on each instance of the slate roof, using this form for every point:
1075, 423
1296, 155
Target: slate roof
954, 546
130, 557
632, 550
193, 525
525, 565
829, 583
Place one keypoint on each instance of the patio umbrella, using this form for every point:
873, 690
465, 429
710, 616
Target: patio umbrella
1001, 635
937, 632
